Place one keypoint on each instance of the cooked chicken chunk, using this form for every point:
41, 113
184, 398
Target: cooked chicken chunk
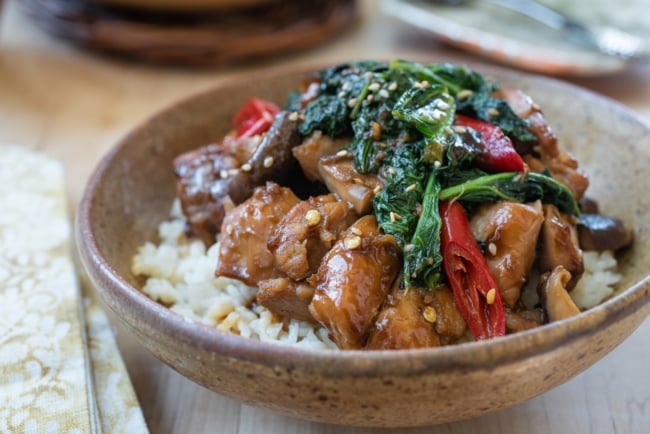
307, 232
353, 281
562, 165
559, 245
286, 298
404, 322
245, 230
449, 322
554, 295
509, 231
312, 149
341, 178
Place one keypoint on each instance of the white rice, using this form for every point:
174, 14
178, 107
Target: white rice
180, 274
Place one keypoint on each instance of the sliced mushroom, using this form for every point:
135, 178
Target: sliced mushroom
559, 245
340, 176
312, 149
208, 186
598, 232
554, 296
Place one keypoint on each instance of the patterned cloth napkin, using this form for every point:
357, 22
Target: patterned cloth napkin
60, 369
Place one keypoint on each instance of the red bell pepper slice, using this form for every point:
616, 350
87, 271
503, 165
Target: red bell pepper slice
469, 276
499, 155
255, 117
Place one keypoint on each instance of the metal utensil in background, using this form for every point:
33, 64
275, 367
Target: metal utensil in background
608, 40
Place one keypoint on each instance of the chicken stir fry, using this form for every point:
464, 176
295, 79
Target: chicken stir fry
399, 206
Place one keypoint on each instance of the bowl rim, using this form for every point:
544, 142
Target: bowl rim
482, 354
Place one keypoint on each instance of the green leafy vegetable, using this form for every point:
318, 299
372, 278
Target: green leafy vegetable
509, 186
431, 111
423, 259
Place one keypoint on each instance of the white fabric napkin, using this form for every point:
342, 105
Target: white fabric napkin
60, 368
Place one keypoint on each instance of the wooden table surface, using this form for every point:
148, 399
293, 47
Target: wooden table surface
75, 105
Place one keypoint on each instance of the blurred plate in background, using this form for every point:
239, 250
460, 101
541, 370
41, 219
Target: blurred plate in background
513, 39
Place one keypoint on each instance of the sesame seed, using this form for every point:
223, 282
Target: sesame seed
449, 131
442, 105
460, 129
246, 167
418, 209
409, 247
313, 217
268, 162
392, 86
376, 131
491, 296
352, 102
493, 112
429, 260
370, 97
346, 85
391, 171
437, 164
232, 172
411, 187
367, 75
223, 173
352, 243
429, 314
341, 94
383, 94
464, 94
374, 86
492, 248
395, 216
229, 229
438, 115
357, 181
377, 189
424, 84
536, 107
342, 153
293, 116
356, 231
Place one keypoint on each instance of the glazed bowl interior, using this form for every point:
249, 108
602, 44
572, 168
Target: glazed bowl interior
131, 192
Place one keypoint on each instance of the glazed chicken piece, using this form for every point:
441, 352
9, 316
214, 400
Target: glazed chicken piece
312, 149
211, 180
353, 281
245, 231
405, 321
338, 173
307, 232
554, 296
562, 165
518, 320
286, 298
559, 245
509, 231
449, 323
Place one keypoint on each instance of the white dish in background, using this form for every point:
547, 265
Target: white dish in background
513, 39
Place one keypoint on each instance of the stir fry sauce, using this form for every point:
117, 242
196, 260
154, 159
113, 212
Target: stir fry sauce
398, 205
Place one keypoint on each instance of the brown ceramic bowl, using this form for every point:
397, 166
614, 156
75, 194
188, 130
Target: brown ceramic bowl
131, 192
